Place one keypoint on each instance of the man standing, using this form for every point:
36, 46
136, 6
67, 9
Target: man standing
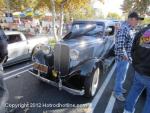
123, 44
3, 55
141, 62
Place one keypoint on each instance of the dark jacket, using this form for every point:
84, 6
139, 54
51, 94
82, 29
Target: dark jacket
141, 51
3, 45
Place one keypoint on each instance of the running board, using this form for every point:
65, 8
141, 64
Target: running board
70, 90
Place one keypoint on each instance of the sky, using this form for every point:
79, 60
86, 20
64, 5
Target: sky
109, 6
113, 6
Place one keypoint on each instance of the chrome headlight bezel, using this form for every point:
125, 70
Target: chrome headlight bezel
46, 49
74, 54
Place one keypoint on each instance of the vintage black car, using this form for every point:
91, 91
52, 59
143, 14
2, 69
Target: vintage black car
77, 61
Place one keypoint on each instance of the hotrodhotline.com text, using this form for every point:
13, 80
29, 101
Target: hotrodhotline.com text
45, 105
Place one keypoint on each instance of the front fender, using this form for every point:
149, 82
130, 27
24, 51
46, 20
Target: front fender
86, 68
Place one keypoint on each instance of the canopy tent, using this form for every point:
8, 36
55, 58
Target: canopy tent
19, 14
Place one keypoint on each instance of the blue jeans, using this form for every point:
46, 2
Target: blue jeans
121, 71
139, 84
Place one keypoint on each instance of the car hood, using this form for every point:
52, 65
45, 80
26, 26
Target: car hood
83, 40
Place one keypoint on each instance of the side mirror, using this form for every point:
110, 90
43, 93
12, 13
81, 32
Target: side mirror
108, 30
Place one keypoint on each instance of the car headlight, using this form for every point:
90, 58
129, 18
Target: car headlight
74, 54
46, 49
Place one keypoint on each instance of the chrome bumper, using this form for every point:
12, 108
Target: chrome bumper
70, 90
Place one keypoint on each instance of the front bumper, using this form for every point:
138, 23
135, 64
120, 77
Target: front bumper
70, 90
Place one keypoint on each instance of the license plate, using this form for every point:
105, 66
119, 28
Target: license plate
40, 67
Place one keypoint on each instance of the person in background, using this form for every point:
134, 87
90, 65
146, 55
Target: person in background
3, 55
117, 26
123, 44
141, 62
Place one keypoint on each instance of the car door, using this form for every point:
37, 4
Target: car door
17, 47
100, 42
109, 38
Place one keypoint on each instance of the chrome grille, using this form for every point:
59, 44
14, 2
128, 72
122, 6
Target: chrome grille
61, 59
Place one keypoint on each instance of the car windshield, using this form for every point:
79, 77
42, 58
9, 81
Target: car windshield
97, 30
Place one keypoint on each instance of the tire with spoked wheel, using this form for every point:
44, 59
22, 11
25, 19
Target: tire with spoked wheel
91, 83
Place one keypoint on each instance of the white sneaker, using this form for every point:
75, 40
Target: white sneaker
119, 97
124, 91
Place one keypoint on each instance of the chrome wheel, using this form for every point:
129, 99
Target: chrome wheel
95, 81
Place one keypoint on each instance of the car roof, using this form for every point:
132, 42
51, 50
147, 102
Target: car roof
11, 32
104, 21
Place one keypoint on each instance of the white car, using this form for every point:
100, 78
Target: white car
20, 48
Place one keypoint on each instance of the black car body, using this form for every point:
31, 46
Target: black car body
76, 62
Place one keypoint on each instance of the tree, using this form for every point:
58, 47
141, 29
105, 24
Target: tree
146, 21
140, 6
113, 16
20, 5
102, 1
85, 12
54, 18
2, 6
69, 7
62, 16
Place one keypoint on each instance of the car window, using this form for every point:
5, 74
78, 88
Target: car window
13, 38
97, 31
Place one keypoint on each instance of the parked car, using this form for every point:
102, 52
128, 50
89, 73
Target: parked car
78, 60
19, 47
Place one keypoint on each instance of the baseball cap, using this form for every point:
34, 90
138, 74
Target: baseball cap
135, 15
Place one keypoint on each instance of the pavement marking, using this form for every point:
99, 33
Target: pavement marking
110, 104
15, 75
100, 91
17, 69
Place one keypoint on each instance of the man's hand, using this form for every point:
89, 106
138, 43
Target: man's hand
125, 58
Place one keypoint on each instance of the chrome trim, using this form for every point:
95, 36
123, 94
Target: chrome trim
70, 90
62, 59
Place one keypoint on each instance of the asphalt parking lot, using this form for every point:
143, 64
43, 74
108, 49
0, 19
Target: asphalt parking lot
30, 95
